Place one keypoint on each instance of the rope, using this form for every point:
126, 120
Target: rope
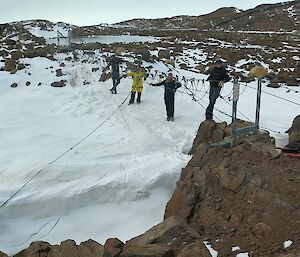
282, 98
64, 153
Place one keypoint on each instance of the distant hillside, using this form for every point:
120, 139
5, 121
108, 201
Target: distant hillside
266, 17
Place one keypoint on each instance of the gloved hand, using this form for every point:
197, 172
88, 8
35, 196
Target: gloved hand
124, 75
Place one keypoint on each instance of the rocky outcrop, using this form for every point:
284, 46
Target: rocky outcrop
246, 195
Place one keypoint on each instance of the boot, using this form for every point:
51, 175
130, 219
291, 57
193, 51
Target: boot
139, 97
131, 101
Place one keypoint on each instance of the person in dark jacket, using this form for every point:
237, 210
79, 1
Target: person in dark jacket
115, 74
218, 76
170, 88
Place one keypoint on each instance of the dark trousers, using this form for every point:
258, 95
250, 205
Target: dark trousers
131, 101
116, 81
214, 93
169, 102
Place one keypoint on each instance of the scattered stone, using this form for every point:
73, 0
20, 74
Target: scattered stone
28, 83
95, 69
59, 73
61, 83
14, 85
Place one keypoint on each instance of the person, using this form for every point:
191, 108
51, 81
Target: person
115, 74
218, 76
170, 88
137, 84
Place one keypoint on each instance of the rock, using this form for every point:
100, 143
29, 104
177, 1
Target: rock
90, 248
204, 134
3, 254
148, 251
164, 54
14, 85
104, 77
196, 249
291, 82
59, 73
21, 66
38, 248
62, 65
232, 179
16, 55
69, 248
95, 69
294, 137
120, 50
113, 246
170, 232
61, 83
190, 189
10, 64
295, 125
261, 230
170, 62
28, 83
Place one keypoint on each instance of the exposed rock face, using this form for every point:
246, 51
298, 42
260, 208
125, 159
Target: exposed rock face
246, 195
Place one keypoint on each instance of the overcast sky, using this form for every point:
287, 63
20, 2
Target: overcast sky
92, 12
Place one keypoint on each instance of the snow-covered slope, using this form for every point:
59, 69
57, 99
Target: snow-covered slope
117, 181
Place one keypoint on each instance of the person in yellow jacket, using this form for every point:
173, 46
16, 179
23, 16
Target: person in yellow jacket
137, 84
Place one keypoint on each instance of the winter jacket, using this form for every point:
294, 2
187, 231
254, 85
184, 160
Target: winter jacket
217, 75
170, 86
137, 80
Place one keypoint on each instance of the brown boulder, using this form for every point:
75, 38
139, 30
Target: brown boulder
113, 246
148, 251
10, 64
295, 125
69, 248
294, 137
39, 248
90, 248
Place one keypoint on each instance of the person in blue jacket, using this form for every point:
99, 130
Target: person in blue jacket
170, 88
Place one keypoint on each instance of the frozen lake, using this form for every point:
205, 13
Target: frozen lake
103, 39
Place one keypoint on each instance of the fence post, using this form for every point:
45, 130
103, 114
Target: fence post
236, 94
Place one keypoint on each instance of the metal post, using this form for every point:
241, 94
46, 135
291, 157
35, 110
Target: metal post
236, 94
258, 101
58, 38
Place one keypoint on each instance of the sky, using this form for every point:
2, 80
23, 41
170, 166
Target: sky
93, 12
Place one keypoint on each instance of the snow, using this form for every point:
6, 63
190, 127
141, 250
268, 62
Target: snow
117, 181
287, 244
212, 252
242, 255
235, 248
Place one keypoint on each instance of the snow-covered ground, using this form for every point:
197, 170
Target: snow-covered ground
117, 181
